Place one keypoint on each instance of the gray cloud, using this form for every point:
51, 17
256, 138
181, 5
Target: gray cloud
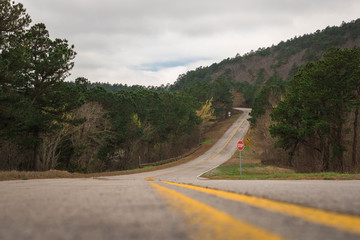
153, 41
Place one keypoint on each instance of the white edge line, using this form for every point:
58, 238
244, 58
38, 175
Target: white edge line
198, 177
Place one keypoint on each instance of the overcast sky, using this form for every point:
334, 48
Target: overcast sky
151, 42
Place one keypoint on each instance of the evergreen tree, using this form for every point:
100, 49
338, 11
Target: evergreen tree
222, 97
33, 68
316, 102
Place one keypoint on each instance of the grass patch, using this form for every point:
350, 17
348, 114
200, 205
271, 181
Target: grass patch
258, 171
208, 141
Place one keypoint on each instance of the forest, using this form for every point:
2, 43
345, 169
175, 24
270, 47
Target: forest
304, 98
319, 113
259, 69
47, 122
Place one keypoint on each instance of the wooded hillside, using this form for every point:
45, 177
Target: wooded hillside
265, 66
47, 122
265, 78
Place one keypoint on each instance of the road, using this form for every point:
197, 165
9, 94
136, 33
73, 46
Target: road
176, 203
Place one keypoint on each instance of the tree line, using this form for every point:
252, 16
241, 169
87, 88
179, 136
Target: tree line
320, 111
47, 122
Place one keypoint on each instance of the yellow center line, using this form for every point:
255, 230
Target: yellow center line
340, 221
206, 222
184, 169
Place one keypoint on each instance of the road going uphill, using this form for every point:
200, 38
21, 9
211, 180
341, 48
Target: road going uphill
176, 203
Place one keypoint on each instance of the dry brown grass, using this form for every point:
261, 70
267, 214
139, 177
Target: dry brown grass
214, 133
22, 175
269, 170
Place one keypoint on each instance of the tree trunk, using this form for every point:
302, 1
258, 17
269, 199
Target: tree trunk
338, 141
325, 154
37, 155
291, 155
37, 158
355, 142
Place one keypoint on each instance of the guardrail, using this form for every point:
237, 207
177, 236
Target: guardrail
170, 159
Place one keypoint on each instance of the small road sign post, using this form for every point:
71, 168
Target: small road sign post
247, 141
240, 146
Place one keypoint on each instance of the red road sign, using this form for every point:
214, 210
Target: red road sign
240, 145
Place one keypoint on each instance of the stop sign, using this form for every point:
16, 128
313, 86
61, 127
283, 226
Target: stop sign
240, 145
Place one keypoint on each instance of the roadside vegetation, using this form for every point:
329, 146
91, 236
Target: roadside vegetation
210, 138
319, 112
304, 94
258, 171
253, 169
48, 123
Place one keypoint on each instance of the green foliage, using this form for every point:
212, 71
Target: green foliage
14, 20
34, 98
313, 44
276, 86
316, 101
38, 107
249, 91
222, 98
37, 85
294, 69
201, 74
256, 171
120, 87
316, 43
143, 118
201, 91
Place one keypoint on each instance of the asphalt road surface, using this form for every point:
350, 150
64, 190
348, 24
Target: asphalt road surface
175, 203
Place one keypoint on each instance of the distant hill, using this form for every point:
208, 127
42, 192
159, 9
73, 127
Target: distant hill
256, 68
260, 79
123, 87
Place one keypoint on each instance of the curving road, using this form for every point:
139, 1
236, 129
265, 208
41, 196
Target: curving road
175, 203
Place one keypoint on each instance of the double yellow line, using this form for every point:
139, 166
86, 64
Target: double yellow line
340, 221
219, 225
206, 222
195, 165
215, 224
